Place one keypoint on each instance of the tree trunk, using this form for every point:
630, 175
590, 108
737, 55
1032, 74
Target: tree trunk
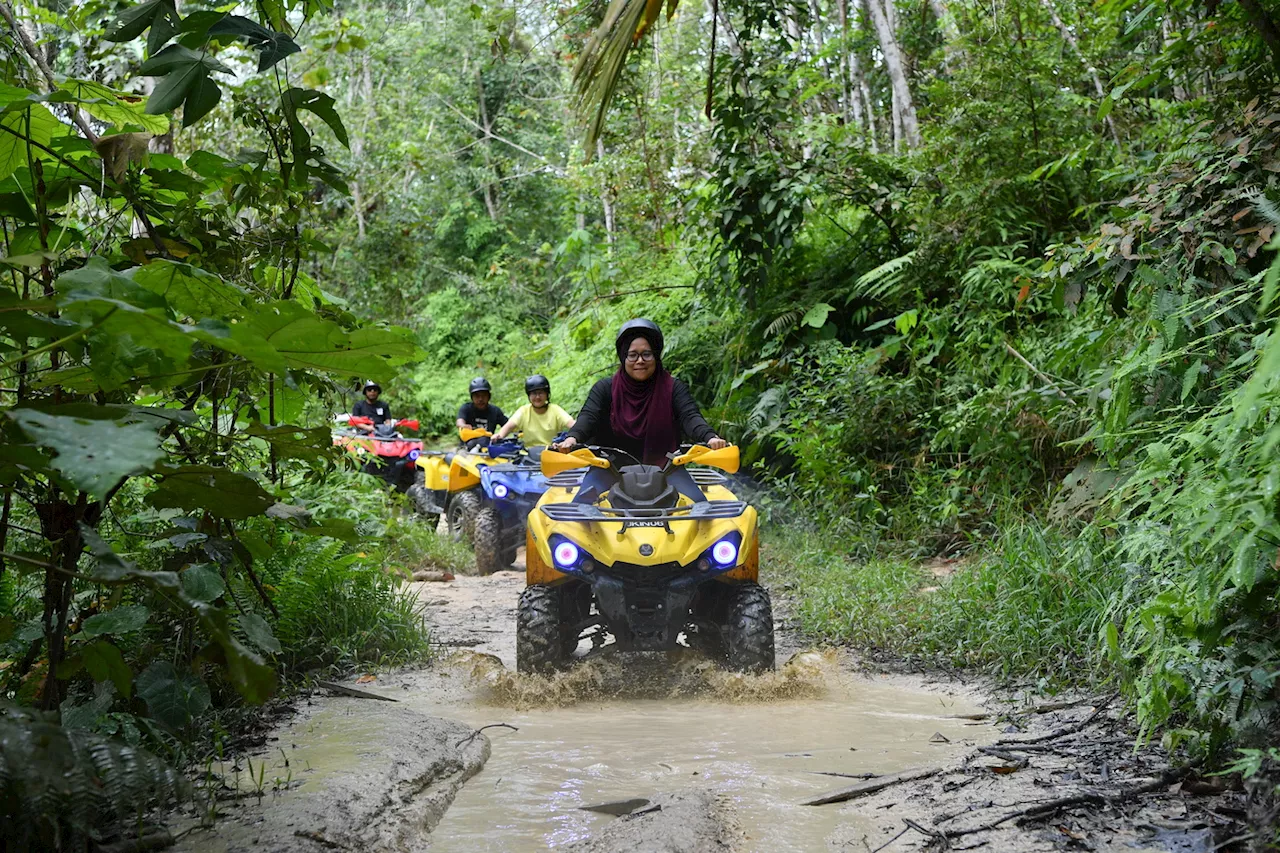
950, 32
903, 107
1266, 27
606, 198
1070, 38
490, 196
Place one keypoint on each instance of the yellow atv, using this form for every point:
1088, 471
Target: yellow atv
645, 554
448, 481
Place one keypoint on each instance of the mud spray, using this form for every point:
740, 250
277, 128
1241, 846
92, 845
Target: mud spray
669, 676
613, 728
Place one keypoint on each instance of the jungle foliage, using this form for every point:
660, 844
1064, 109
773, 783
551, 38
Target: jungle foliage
994, 283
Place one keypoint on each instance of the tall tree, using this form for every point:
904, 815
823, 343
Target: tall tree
882, 13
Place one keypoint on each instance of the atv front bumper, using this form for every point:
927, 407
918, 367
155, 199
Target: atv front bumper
645, 607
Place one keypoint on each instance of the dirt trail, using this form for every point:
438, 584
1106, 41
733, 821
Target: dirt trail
723, 761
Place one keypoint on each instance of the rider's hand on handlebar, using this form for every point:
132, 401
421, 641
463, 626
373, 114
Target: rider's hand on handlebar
569, 443
717, 443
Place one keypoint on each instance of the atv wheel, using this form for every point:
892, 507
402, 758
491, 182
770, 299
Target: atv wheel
487, 538
425, 504
462, 515
748, 634
539, 641
508, 557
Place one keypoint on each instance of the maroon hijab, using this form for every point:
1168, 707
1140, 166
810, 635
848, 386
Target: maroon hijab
645, 412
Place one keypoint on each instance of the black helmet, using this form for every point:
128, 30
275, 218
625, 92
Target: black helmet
639, 328
537, 382
369, 383
480, 384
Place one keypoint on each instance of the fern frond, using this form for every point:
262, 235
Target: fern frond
783, 323
879, 283
63, 786
1267, 209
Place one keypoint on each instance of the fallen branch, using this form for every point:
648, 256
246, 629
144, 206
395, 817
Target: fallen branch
477, 732
1074, 728
846, 775
353, 691
872, 785
1082, 799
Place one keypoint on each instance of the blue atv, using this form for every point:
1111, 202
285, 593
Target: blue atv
508, 491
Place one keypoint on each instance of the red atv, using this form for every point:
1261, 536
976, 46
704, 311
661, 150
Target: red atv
385, 451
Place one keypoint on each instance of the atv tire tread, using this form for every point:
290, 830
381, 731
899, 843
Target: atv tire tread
462, 516
539, 645
748, 633
486, 536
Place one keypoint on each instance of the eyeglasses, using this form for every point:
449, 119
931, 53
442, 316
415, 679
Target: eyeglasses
646, 356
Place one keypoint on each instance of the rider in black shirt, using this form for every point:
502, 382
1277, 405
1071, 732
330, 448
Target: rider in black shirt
371, 407
479, 414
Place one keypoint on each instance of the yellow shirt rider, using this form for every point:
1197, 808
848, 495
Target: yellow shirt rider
539, 419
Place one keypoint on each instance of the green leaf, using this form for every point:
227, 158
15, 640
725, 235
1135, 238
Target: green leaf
202, 96
1104, 109
190, 290
335, 528
122, 620
271, 46
109, 105
320, 105
217, 491
94, 455
816, 317
160, 15
1189, 379
259, 633
175, 88
308, 342
35, 123
104, 662
201, 582
174, 698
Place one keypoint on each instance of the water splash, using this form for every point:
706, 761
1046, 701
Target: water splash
806, 675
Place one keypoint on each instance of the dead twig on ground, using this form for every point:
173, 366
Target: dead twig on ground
1074, 728
312, 835
477, 732
872, 785
1084, 798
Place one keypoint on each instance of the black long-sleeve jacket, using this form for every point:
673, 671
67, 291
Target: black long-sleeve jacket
592, 426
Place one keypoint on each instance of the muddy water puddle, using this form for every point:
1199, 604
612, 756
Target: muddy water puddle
611, 732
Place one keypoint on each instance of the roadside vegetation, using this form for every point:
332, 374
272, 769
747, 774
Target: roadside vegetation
984, 287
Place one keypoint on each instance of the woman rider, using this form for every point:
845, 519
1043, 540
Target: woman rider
642, 409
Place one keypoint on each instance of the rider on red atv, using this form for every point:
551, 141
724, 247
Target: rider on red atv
371, 407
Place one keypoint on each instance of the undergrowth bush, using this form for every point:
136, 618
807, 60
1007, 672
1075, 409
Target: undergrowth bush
1032, 607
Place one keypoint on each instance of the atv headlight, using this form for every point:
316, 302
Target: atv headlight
414, 454
500, 491
566, 554
724, 553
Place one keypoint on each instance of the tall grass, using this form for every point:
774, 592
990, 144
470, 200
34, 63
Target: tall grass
1033, 606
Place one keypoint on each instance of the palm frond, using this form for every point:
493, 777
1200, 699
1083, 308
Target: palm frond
599, 68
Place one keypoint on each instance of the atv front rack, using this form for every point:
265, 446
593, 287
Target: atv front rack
573, 479
701, 511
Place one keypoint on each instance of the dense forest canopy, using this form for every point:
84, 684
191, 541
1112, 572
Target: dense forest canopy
984, 279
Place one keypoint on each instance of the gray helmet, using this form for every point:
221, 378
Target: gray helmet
369, 383
639, 328
537, 382
479, 384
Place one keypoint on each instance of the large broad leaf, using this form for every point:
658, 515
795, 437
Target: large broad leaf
190, 290
105, 663
308, 342
271, 46
318, 104
259, 633
109, 105
97, 279
160, 15
202, 582
292, 442
122, 620
217, 491
186, 81
94, 455
174, 698
17, 126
